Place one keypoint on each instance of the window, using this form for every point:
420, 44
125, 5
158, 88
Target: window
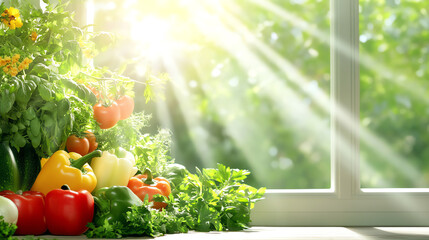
346, 204
342, 190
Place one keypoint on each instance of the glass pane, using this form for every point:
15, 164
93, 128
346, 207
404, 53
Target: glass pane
394, 109
249, 81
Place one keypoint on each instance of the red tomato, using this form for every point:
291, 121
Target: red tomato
106, 117
126, 105
78, 145
93, 144
68, 212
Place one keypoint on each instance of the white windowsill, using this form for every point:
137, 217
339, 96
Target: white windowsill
300, 233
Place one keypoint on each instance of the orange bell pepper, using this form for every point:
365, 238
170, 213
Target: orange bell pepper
144, 184
59, 170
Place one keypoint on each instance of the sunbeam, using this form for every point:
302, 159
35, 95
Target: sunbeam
299, 98
199, 135
368, 137
294, 111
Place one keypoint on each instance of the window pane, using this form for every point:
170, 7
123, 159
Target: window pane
394, 76
249, 81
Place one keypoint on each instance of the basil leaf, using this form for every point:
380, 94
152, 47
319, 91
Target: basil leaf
7, 100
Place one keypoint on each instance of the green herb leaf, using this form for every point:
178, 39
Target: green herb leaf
6, 229
7, 100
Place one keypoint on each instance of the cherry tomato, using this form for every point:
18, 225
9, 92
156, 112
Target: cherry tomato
126, 105
78, 145
106, 117
93, 144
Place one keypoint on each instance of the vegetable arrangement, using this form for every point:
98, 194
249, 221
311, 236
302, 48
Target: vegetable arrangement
74, 158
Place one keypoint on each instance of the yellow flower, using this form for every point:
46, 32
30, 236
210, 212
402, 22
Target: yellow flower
13, 71
15, 58
27, 62
21, 67
12, 12
6, 60
7, 69
11, 18
18, 22
33, 36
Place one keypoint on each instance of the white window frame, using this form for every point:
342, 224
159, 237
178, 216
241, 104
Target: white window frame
345, 204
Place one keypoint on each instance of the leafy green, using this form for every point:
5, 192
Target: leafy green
218, 199
153, 152
126, 133
138, 223
212, 199
6, 229
107, 230
42, 105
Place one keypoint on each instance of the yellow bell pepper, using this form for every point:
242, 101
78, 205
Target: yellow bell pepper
58, 170
112, 170
73, 155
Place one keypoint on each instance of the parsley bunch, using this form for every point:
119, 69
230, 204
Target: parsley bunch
217, 199
211, 199
6, 229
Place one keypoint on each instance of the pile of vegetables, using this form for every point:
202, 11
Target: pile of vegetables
74, 156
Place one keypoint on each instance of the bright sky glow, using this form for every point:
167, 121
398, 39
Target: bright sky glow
152, 34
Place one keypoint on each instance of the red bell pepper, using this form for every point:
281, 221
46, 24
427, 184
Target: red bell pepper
144, 184
68, 212
31, 211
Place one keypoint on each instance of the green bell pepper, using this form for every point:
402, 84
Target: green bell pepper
112, 203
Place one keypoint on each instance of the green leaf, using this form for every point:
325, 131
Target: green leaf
49, 106
40, 69
70, 84
19, 140
63, 107
6, 229
45, 92
29, 114
23, 94
34, 78
7, 100
148, 93
16, 41
35, 126
53, 48
48, 121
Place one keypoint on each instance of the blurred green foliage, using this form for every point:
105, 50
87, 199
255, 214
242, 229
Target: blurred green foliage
394, 86
250, 84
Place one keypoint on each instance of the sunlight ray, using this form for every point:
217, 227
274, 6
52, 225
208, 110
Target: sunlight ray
237, 40
217, 29
323, 101
198, 134
290, 108
364, 59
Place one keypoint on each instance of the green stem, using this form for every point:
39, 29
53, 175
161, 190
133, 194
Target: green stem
88, 157
149, 176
